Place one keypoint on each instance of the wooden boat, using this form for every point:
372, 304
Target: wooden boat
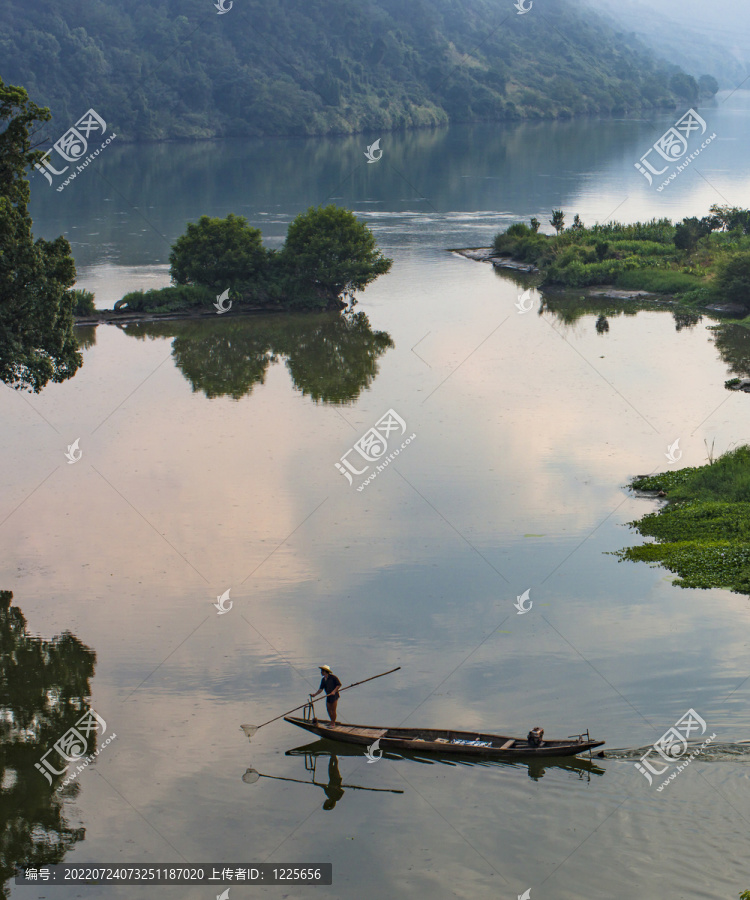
536, 766
443, 741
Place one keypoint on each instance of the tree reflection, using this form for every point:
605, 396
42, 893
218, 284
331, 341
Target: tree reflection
686, 320
331, 357
733, 343
86, 336
44, 686
569, 309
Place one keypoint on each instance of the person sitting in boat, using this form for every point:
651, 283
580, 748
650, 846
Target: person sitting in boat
534, 737
330, 684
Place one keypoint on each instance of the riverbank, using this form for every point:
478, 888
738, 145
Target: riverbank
606, 292
127, 317
702, 533
701, 264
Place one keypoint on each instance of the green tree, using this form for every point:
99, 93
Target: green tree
730, 218
577, 224
558, 220
708, 85
733, 279
329, 252
218, 254
83, 302
685, 86
37, 342
688, 232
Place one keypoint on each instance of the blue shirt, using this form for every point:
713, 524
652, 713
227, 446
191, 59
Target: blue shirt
330, 684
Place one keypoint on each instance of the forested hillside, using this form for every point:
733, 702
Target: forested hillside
157, 69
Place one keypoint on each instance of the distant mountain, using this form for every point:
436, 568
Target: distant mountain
699, 37
166, 69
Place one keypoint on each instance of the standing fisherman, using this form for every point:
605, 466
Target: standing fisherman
330, 684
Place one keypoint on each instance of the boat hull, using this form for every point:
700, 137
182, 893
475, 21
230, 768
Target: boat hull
426, 740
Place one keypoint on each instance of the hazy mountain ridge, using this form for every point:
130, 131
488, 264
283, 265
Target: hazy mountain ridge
716, 42
168, 69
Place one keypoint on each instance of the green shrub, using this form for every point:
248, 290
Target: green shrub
519, 230
727, 479
168, 299
733, 279
526, 245
701, 296
577, 273
642, 248
505, 243
83, 302
659, 230
658, 281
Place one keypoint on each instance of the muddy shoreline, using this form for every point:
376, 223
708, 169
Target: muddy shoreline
110, 317
598, 291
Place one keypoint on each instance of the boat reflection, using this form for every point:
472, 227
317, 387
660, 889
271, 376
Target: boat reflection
536, 767
334, 789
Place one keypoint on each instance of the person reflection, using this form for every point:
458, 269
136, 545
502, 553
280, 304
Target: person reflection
536, 770
333, 789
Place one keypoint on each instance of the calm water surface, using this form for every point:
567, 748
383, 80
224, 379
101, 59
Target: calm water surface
208, 464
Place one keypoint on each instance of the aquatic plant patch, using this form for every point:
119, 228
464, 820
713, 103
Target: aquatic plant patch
699, 564
702, 534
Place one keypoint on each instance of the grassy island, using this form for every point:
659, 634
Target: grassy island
702, 534
328, 254
698, 262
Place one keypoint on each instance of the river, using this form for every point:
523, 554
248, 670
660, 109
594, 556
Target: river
208, 464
